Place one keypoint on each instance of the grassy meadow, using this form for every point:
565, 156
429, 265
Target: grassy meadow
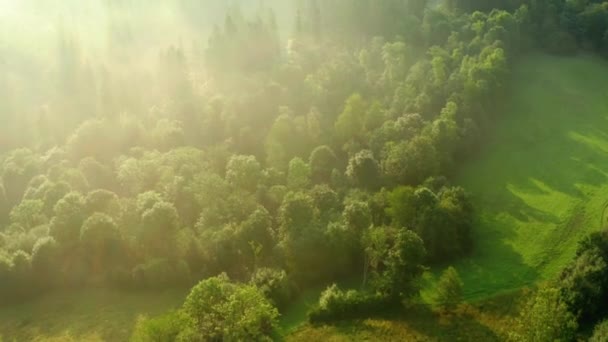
88, 315
540, 183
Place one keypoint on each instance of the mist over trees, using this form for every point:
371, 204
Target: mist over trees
258, 148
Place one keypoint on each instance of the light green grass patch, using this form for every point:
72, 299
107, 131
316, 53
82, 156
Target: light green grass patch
540, 182
87, 315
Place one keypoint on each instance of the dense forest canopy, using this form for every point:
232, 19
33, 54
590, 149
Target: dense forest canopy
257, 148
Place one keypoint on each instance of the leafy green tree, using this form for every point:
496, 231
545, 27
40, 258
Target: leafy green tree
322, 161
159, 228
600, 332
70, 213
363, 170
357, 216
449, 289
221, 310
98, 175
45, 262
93, 138
28, 214
298, 175
583, 282
325, 199
257, 230
394, 258
244, 172
545, 317
280, 141
102, 201
18, 167
350, 124
411, 162
275, 285
101, 239
147, 200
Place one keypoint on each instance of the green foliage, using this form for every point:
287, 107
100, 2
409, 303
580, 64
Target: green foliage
336, 305
545, 317
173, 326
223, 310
275, 285
364, 171
45, 261
442, 220
28, 214
600, 332
243, 172
449, 289
583, 283
102, 201
322, 162
298, 174
394, 258
412, 161
70, 213
159, 228
100, 237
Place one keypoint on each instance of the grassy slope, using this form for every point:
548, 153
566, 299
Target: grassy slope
541, 183
91, 315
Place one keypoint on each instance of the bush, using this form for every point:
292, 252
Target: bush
336, 304
225, 311
174, 326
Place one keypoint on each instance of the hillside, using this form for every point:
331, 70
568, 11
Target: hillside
540, 183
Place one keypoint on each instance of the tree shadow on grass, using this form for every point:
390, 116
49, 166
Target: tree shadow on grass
533, 180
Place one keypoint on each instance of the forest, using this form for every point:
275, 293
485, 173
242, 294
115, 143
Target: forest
248, 153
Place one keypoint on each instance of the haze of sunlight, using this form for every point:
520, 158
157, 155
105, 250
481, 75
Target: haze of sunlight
299, 170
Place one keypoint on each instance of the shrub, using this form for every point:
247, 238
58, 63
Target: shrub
224, 311
172, 327
336, 304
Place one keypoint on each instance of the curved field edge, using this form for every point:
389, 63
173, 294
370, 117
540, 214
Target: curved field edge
540, 181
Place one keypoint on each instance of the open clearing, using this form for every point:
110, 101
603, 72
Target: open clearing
540, 183
87, 315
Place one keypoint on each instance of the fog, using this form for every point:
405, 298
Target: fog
57, 54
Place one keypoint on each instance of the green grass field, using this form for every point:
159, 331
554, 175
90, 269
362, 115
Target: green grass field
88, 315
540, 182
